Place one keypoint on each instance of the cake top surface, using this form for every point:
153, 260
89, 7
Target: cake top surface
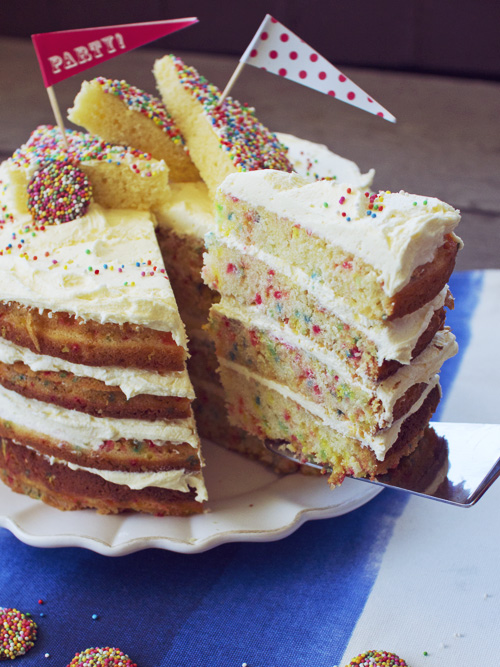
314, 161
393, 232
104, 266
249, 143
140, 101
45, 145
189, 211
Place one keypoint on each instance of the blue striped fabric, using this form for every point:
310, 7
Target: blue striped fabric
466, 288
291, 602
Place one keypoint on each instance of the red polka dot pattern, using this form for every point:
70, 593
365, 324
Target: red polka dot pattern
289, 56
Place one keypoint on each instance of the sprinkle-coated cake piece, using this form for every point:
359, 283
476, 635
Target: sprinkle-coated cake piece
124, 114
121, 177
222, 138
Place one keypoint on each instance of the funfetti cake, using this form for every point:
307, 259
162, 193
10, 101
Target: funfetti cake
122, 177
329, 331
222, 138
95, 400
123, 114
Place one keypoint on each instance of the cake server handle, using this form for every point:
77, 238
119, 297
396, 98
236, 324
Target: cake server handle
472, 464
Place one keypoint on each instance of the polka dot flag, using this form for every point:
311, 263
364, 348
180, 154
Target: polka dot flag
278, 50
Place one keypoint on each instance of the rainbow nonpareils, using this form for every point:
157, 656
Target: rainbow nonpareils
58, 192
17, 633
378, 659
101, 657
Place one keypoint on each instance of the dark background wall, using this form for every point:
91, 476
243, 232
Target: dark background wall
450, 37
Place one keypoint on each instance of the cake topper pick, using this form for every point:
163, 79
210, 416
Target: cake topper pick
65, 53
278, 50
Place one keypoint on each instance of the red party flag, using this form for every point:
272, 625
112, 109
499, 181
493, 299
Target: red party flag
279, 51
67, 52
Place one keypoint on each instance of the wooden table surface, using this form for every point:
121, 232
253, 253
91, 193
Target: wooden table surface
446, 142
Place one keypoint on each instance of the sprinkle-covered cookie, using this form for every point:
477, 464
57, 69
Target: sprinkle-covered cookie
58, 192
101, 657
380, 658
17, 633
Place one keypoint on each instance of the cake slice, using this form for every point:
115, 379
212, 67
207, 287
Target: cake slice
222, 139
123, 114
121, 177
330, 328
95, 399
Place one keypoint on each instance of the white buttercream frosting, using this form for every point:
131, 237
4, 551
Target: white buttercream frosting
402, 233
132, 381
86, 432
105, 266
174, 480
190, 210
314, 161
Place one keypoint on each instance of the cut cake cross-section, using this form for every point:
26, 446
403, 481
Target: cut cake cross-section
329, 331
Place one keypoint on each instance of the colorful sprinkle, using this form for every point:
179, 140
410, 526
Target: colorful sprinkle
382, 658
102, 657
58, 192
17, 633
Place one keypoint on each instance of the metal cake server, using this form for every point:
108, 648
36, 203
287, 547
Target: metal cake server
471, 466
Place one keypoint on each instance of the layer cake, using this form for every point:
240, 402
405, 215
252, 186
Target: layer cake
95, 399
